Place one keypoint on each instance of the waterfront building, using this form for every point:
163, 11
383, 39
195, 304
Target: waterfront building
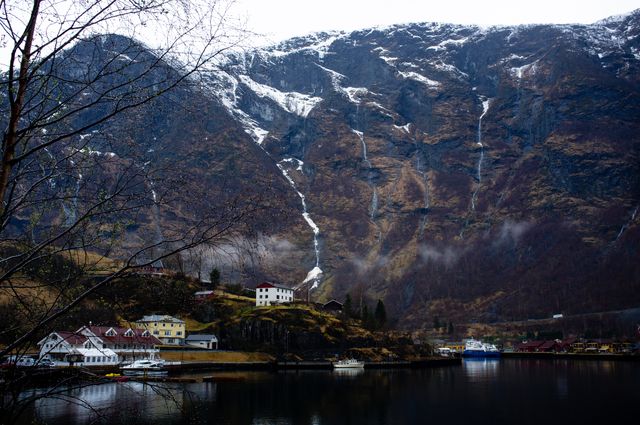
168, 329
206, 341
98, 346
129, 344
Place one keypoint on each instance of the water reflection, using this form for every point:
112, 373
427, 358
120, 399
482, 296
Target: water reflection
481, 370
348, 372
553, 392
116, 401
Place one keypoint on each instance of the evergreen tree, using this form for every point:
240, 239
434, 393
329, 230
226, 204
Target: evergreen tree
380, 315
368, 320
214, 277
347, 307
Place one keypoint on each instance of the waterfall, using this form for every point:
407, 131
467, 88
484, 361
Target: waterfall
425, 179
373, 207
485, 107
627, 224
71, 212
315, 273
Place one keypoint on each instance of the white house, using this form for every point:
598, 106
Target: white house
71, 347
270, 293
98, 346
128, 343
209, 342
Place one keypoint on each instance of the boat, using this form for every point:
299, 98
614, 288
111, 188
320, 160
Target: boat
444, 351
348, 363
475, 348
145, 367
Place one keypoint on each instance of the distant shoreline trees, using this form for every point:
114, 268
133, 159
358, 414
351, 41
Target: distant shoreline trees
375, 320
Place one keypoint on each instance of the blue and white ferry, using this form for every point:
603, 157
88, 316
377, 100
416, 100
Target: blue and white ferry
475, 348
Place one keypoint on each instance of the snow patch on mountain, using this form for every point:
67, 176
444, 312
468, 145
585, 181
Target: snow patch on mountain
527, 70
443, 45
445, 67
406, 128
420, 78
355, 94
320, 43
295, 161
292, 102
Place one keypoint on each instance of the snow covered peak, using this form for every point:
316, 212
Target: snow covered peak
618, 19
317, 42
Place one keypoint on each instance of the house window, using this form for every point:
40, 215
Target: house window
179, 333
167, 333
156, 332
277, 297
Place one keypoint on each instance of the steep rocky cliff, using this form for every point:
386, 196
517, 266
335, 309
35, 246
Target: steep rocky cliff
467, 173
470, 173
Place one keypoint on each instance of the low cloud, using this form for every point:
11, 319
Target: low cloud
512, 231
237, 254
446, 256
366, 265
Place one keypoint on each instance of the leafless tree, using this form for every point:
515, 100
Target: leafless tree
67, 203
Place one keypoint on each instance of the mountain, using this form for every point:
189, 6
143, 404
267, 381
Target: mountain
469, 174
455, 171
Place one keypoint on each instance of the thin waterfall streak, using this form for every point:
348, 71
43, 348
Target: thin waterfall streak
314, 274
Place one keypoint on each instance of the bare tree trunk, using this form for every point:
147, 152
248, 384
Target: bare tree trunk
10, 137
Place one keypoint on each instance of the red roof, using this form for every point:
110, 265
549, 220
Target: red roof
548, 345
530, 345
72, 337
120, 338
272, 285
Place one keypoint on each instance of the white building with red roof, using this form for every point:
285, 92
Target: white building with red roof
99, 346
268, 293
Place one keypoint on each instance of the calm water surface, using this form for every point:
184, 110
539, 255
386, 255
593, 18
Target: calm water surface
478, 392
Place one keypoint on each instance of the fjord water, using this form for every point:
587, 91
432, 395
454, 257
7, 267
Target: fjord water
478, 392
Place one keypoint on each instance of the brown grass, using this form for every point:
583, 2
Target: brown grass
216, 356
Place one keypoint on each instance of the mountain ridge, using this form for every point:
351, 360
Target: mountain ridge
476, 175
417, 92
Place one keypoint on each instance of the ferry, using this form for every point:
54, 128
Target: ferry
348, 363
475, 348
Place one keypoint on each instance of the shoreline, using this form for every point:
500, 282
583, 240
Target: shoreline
572, 356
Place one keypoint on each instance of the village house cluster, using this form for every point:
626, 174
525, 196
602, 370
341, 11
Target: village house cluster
112, 345
575, 345
569, 345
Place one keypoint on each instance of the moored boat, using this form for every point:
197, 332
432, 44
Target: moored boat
348, 363
475, 348
145, 367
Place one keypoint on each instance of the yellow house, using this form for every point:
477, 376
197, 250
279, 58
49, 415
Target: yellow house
167, 329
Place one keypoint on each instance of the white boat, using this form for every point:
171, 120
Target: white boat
445, 352
145, 367
348, 363
475, 348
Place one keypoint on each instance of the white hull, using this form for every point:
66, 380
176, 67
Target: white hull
348, 364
